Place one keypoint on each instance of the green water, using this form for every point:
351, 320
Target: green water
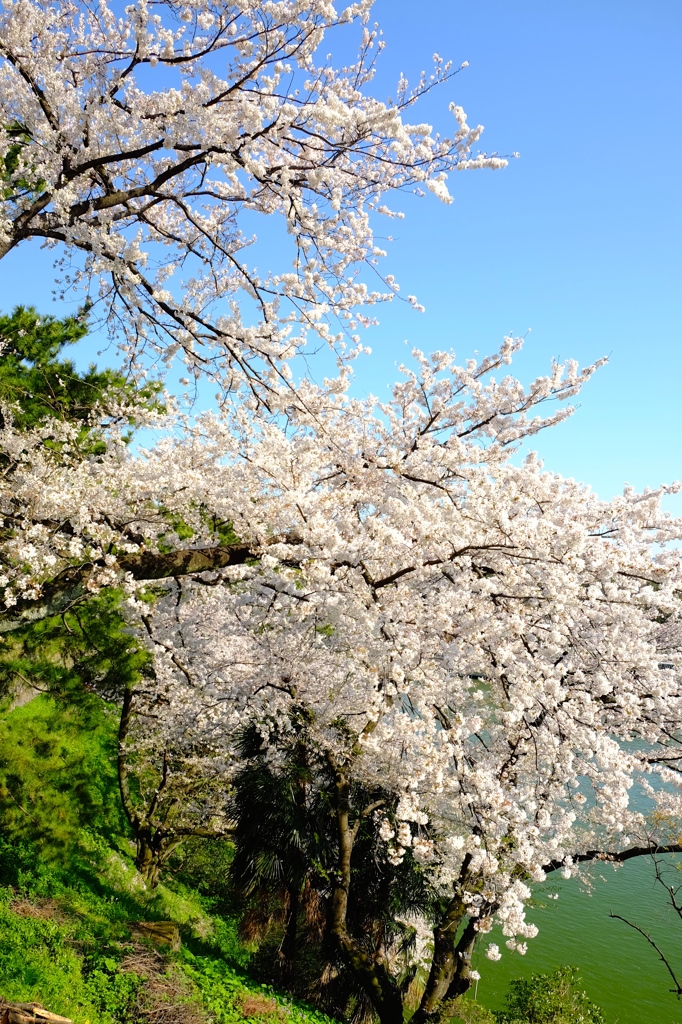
620, 971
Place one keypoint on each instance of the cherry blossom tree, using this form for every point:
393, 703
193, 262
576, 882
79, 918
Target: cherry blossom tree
473, 648
146, 139
470, 649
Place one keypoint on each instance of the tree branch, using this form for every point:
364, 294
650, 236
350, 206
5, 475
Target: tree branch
678, 989
614, 857
123, 777
71, 585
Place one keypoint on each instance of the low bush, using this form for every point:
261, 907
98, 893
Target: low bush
555, 998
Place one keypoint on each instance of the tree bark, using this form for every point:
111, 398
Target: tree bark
614, 856
148, 860
290, 941
59, 594
444, 962
148, 855
461, 981
371, 974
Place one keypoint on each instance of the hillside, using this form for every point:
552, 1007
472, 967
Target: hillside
70, 898
83, 935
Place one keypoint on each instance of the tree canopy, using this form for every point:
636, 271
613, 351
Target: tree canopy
145, 138
469, 653
451, 663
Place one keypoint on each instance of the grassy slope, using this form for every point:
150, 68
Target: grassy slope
69, 892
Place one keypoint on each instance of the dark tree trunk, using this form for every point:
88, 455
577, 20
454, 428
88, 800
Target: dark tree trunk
446, 961
370, 973
154, 848
149, 859
443, 964
461, 981
289, 945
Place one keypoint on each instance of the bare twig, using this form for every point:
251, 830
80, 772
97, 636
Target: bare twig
678, 988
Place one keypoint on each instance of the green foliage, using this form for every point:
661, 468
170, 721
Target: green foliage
87, 651
179, 529
277, 835
285, 856
70, 892
41, 961
230, 998
285, 835
69, 734
555, 998
465, 1010
204, 866
74, 746
39, 384
65, 945
221, 530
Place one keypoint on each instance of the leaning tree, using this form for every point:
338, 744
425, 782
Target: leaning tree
471, 651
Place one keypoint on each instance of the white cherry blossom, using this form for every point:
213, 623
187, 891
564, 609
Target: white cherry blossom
146, 139
482, 639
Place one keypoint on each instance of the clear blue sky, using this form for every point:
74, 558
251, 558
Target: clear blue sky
580, 239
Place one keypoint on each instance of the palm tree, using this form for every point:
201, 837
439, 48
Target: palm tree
285, 857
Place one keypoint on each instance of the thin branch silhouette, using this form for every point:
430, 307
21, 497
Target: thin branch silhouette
678, 988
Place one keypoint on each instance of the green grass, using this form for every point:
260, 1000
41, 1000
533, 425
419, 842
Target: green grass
67, 950
69, 892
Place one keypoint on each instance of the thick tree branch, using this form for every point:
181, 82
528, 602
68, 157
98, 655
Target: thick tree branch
614, 856
76, 583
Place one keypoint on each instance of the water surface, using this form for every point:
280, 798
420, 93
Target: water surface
620, 971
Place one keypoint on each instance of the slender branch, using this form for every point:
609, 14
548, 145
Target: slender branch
123, 777
678, 988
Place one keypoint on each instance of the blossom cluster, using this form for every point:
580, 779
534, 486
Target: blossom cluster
146, 137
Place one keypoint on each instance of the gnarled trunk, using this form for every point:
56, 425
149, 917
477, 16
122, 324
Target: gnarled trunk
450, 971
371, 974
148, 858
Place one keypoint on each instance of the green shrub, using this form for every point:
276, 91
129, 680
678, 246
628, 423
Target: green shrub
466, 1011
555, 998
